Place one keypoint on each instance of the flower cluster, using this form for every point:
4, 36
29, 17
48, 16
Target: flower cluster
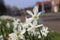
28, 29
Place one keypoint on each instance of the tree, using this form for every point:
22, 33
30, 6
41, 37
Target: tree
2, 8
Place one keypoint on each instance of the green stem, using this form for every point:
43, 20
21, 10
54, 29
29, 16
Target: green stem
42, 38
2, 32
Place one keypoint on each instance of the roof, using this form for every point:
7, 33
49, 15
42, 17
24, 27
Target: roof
45, 2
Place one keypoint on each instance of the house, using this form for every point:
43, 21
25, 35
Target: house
51, 5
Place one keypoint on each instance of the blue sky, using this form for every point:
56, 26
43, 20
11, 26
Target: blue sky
21, 3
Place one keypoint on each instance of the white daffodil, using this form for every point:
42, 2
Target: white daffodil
20, 33
8, 25
24, 25
39, 36
35, 15
38, 33
31, 30
33, 26
17, 35
13, 36
6, 17
16, 22
17, 28
29, 20
1, 37
44, 31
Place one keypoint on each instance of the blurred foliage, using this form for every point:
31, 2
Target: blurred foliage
53, 36
4, 28
59, 7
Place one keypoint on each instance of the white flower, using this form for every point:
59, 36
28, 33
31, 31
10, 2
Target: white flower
8, 25
44, 31
24, 25
17, 28
17, 35
39, 36
20, 33
38, 33
35, 15
6, 17
1, 37
16, 22
29, 20
33, 26
13, 36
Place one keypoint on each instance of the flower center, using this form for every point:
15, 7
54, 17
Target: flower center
18, 33
35, 17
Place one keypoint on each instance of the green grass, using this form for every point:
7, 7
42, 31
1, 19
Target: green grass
53, 36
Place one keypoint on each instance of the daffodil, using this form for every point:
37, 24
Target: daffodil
21, 36
20, 33
24, 25
6, 17
17, 28
13, 36
17, 35
16, 23
39, 36
1, 37
8, 25
44, 31
33, 28
35, 15
29, 20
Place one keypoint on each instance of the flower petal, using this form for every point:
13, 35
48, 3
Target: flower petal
29, 12
39, 25
39, 14
29, 29
30, 24
29, 19
39, 36
1, 36
35, 10
35, 22
8, 25
22, 37
23, 31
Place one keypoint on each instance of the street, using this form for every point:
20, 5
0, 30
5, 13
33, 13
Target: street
52, 20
